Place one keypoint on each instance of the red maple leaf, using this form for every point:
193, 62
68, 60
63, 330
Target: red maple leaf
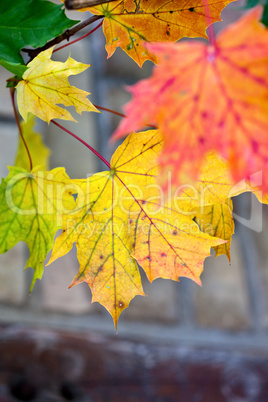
205, 98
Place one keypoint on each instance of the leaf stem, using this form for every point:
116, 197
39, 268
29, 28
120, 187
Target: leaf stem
64, 36
110, 111
120, 114
210, 29
83, 142
12, 93
211, 35
81, 37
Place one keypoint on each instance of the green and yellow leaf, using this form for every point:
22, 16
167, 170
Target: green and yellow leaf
31, 208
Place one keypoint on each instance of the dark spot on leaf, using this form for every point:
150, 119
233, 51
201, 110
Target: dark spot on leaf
101, 257
174, 232
130, 221
143, 202
171, 12
168, 33
120, 304
163, 255
191, 9
148, 258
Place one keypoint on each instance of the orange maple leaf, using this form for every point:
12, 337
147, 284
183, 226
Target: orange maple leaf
128, 24
207, 98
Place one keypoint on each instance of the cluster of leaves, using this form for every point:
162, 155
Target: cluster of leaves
165, 199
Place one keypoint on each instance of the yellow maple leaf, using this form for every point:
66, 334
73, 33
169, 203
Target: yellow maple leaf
217, 220
45, 85
38, 151
121, 215
209, 198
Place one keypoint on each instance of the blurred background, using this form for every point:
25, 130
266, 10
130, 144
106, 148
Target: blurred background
182, 342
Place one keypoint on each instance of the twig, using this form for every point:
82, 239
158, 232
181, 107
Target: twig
78, 39
121, 115
83, 142
64, 36
12, 92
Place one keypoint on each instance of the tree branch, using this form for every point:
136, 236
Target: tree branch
64, 36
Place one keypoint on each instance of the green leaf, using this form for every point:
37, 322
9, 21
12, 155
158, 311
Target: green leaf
31, 207
28, 23
15, 68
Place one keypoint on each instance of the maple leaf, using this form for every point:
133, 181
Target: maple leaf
128, 24
213, 98
209, 199
45, 84
31, 207
120, 216
217, 220
37, 149
216, 184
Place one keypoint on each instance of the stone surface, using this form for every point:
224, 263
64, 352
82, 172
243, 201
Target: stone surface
54, 288
261, 242
8, 148
6, 109
158, 305
12, 276
222, 301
